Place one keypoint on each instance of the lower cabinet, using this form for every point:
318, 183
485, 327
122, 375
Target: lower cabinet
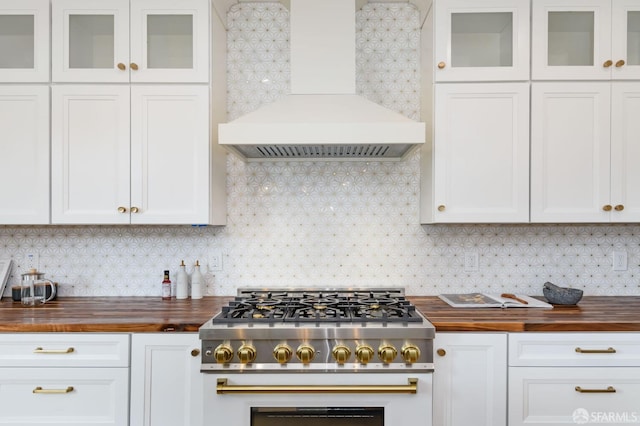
64, 379
574, 378
470, 379
166, 383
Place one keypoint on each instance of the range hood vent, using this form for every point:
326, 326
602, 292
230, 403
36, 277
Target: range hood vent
322, 118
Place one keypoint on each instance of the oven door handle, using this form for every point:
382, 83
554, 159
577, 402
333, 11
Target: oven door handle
222, 387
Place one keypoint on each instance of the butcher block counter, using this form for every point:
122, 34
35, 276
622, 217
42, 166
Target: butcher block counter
151, 314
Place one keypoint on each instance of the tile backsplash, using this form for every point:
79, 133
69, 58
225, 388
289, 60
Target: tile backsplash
327, 224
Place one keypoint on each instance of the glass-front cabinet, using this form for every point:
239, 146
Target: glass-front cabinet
481, 41
585, 39
24, 41
130, 41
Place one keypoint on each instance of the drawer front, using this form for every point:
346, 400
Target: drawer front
574, 349
551, 395
64, 350
64, 396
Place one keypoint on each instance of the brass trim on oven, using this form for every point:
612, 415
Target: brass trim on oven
223, 388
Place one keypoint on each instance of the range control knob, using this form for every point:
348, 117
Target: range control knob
387, 353
223, 353
247, 353
410, 353
341, 353
282, 353
305, 353
364, 353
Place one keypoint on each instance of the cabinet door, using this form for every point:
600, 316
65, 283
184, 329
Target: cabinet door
24, 40
24, 143
481, 41
481, 153
570, 152
571, 39
90, 40
90, 154
166, 383
626, 39
170, 41
625, 152
470, 379
573, 395
170, 154
64, 396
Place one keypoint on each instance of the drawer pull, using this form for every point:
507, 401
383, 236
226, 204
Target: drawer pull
595, 351
609, 389
53, 351
39, 389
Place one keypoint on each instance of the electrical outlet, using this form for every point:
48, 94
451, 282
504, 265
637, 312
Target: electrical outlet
471, 262
215, 260
619, 261
31, 260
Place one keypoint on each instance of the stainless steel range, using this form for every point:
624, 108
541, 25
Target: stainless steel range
373, 346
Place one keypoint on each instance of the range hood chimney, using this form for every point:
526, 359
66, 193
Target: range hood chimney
322, 117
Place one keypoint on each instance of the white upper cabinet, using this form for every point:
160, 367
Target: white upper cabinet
585, 151
130, 154
24, 41
585, 39
477, 168
136, 41
24, 144
481, 40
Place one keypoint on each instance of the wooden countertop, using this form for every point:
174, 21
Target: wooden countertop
151, 314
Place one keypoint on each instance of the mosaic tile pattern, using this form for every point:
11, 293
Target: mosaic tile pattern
328, 224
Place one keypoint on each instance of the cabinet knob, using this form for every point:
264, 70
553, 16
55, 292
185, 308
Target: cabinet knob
620, 63
441, 208
619, 208
122, 209
441, 65
195, 352
134, 210
441, 352
133, 66
121, 66
607, 63
607, 207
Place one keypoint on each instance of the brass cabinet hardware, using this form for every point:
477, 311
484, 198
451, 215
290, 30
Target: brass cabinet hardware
607, 63
133, 66
620, 63
441, 208
40, 350
619, 208
122, 66
596, 351
607, 207
195, 352
609, 389
122, 209
39, 389
441, 352
222, 387
441, 65
134, 210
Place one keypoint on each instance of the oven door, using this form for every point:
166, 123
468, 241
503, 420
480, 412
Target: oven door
318, 399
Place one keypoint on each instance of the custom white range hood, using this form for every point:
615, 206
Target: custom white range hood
322, 117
